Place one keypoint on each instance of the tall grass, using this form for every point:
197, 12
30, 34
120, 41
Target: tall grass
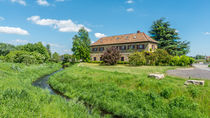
128, 92
18, 98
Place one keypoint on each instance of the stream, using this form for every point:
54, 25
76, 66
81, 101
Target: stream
43, 83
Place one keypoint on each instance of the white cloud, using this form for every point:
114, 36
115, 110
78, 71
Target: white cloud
22, 2
43, 2
129, 1
13, 30
177, 31
61, 25
130, 10
1, 18
17, 42
99, 35
207, 33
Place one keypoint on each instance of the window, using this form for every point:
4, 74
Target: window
100, 58
94, 49
122, 58
153, 47
94, 58
140, 46
123, 47
101, 49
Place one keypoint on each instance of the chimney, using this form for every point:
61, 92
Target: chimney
138, 31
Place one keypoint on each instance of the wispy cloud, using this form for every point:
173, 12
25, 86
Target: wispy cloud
43, 2
61, 25
13, 30
1, 18
129, 1
207, 33
99, 35
22, 2
130, 10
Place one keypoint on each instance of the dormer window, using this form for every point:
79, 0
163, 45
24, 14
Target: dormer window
134, 37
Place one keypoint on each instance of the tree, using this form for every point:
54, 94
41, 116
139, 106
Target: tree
6, 48
111, 56
48, 49
55, 57
168, 38
36, 47
81, 45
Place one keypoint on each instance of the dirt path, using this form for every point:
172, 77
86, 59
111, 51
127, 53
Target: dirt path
199, 71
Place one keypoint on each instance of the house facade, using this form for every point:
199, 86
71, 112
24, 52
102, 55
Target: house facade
126, 44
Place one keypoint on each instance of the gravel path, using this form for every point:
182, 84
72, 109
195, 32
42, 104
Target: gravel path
199, 71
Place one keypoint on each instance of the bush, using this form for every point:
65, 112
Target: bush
24, 57
162, 57
208, 65
166, 93
185, 60
111, 56
150, 58
122, 62
137, 59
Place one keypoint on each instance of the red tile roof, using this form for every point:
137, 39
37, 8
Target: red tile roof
126, 38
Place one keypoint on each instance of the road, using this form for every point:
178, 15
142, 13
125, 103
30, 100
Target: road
198, 71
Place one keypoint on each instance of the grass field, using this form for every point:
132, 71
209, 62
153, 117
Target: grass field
18, 98
127, 91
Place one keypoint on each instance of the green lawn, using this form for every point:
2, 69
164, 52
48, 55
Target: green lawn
18, 98
128, 92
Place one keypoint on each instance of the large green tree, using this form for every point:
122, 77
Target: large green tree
168, 38
6, 48
81, 45
36, 47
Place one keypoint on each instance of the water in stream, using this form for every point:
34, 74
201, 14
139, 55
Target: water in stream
42, 83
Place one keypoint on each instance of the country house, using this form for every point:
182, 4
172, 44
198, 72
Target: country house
126, 44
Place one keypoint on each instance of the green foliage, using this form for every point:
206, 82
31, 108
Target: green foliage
36, 47
168, 38
20, 99
111, 56
137, 59
5, 49
166, 92
24, 57
81, 45
200, 57
127, 92
208, 65
55, 57
122, 62
162, 57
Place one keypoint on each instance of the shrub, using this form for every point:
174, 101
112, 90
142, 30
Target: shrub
194, 92
24, 57
162, 57
208, 65
111, 56
185, 60
150, 58
175, 61
137, 59
122, 62
55, 57
166, 93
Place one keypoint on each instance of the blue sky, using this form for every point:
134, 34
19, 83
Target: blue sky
55, 22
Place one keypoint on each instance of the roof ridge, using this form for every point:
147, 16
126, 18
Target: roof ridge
120, 35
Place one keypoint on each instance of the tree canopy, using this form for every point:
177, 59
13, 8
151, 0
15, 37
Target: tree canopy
6, 48
81, 45
168, 38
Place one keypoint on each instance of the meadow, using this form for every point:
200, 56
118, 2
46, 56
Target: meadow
125, 91
18, 98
